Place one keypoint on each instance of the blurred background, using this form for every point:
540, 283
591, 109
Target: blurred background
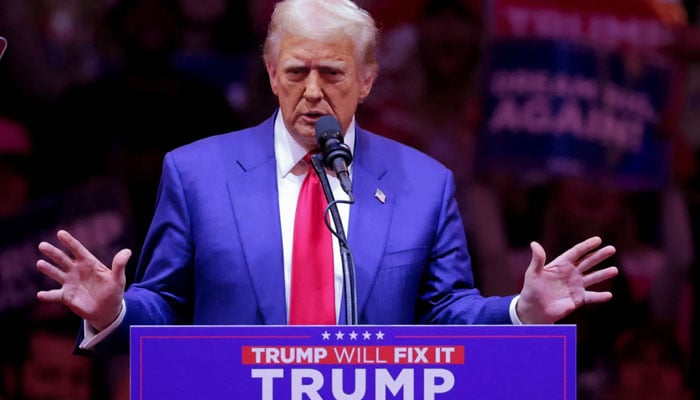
560, 120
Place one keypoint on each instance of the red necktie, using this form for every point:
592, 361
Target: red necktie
312, 294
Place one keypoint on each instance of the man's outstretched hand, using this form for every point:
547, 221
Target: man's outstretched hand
554, 290
89, 288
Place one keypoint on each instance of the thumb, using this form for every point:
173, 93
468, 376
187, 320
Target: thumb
538, 256
119, 264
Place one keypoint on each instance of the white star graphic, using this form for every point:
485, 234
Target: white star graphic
353, 335
339, 335
326, 335
366, 335
380, 335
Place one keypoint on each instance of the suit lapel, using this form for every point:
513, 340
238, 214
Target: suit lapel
369, 217
253, 191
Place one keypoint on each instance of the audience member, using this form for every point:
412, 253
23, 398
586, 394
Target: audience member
53, 44
259, 100
649, 365
216, 45
15, 158
129, 117
44, 367
440, 116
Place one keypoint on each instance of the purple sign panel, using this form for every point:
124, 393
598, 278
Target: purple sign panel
353, 362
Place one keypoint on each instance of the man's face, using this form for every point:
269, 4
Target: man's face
52, 372
311, 79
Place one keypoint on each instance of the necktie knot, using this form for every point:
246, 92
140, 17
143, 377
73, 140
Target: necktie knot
307, 157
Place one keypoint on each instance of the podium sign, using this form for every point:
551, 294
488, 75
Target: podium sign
353, 362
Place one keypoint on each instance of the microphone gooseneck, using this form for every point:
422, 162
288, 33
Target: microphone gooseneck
336, 154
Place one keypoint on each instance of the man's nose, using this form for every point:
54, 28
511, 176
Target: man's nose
313, 90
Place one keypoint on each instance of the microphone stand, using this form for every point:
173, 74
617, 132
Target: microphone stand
349, 290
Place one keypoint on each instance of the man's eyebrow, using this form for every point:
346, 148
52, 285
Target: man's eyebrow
333, 64
293, 63
325, 64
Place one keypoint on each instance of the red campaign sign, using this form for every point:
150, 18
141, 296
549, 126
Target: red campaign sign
351, 355
615, 24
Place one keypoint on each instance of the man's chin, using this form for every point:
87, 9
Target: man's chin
306, 136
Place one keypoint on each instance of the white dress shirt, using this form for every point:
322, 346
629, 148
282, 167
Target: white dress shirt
288, 154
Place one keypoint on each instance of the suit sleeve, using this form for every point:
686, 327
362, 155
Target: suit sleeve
447, 292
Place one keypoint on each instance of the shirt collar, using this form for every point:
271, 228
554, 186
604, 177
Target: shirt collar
288, 152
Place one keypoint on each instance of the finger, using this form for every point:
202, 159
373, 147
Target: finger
596, 297
595, 258
599, 276
53, 296
76, 248
119, 263
55, 254
51, 271
581, 249
538, 256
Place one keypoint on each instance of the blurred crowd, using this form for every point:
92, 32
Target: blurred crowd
94, 92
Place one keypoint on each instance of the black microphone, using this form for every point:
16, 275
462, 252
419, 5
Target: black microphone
336, 154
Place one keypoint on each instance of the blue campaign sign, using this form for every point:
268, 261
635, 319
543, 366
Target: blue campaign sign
353, 362
556, 108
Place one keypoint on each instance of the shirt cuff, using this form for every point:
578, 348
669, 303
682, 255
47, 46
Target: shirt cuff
92, 337
513, 314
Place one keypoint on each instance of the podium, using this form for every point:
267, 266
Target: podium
353, 362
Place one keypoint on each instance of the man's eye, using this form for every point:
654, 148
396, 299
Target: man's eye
295, 74
296, 71
334, 75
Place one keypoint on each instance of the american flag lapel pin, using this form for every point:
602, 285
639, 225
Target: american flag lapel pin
379, 195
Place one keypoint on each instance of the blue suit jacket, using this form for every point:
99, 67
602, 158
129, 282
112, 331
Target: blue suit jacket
213, 254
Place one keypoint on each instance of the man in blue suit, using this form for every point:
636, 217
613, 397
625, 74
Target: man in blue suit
219, 247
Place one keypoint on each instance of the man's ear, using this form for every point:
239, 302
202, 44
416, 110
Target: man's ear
366, 85
272, 75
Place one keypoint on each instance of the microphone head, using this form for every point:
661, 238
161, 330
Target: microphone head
330, 140
327, 126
